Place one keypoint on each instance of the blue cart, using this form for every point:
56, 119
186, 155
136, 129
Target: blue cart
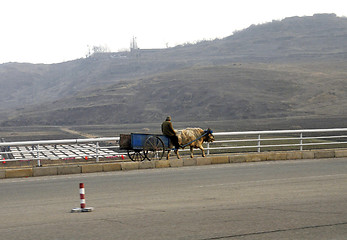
140, 146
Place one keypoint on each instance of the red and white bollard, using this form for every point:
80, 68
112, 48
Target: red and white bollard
82, 193
83, 201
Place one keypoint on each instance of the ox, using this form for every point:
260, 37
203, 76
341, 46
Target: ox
187, 136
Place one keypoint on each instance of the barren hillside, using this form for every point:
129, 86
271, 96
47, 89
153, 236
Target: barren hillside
290, 68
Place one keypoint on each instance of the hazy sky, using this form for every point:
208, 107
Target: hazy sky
52, 31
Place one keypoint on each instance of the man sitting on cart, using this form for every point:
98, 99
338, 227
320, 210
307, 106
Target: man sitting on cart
168, 130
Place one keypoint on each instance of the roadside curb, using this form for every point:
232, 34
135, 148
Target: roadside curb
197, 161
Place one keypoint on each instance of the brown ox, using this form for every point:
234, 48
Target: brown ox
188, 135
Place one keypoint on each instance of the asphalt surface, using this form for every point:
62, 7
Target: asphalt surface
304, 199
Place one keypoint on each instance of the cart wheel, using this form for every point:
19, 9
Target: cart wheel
154, 148
136, 155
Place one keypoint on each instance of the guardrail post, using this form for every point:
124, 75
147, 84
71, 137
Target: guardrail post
300, 141
97, 151
208, 148
259, 143
38, 155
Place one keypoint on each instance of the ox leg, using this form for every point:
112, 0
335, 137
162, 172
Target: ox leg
203, 151
178, 155
191, 151
168, 155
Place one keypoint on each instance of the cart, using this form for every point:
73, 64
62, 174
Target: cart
140, 146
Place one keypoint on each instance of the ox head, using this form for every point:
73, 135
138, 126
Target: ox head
209, 136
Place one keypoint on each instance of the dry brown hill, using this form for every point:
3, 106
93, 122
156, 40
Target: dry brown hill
290, 68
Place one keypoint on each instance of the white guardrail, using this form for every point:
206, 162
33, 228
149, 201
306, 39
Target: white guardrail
67, 149
225, 142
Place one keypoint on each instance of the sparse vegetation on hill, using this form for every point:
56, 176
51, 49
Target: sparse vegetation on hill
294, 68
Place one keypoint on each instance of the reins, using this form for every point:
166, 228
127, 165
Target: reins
208, 131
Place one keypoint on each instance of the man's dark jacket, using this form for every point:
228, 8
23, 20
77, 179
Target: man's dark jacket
167, 129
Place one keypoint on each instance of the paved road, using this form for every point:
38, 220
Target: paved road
270, 200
